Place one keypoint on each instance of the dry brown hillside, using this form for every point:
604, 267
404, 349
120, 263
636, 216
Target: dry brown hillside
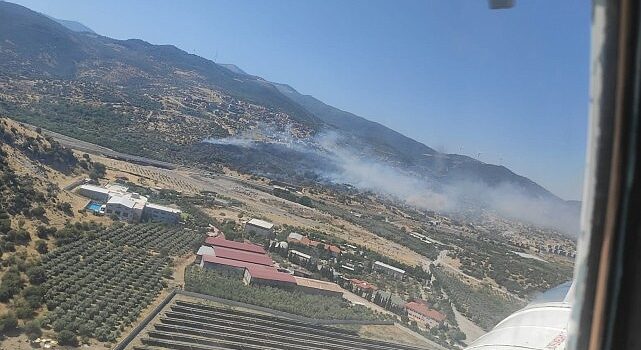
35, 211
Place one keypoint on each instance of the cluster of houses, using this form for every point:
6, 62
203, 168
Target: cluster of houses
116, 201
251, 263
298, 238
416, 310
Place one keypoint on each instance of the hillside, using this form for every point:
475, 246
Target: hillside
36, 212
411, 153
161, 102
75, 26
32, 168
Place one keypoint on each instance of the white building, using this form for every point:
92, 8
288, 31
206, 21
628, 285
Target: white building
127, 208
295, 236
259, 227
94, 192
117, 189
204, 250
389, 269
302, 257
161, 213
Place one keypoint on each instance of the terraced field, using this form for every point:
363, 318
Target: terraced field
187, 325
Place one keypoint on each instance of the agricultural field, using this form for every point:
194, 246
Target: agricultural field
175, 241
98, 285
295, 302
482, 257
150, 175
482, 304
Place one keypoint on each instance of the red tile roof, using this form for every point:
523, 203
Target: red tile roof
221, 242
229, 262
363, 284
240, 255
424, 310
271, 274
312, 243
333, 249
256, 271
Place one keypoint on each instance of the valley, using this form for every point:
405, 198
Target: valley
347, 216
151, 198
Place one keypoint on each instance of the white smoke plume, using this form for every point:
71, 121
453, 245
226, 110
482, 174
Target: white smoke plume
361, 169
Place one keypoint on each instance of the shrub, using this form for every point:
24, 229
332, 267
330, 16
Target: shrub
32, 329
5, 294
8, 322
38, 212
99, 170
33, 295
66, 337
41, 247
24, 311
37, 275
44, 231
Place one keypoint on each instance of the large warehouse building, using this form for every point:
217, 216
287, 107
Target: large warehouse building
268, 276
221, 242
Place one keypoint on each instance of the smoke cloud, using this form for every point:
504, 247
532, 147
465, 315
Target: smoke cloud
364, 170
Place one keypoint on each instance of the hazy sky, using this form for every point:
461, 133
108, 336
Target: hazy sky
510, 85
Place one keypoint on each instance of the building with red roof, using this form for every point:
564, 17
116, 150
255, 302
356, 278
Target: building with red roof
243, 259
364, 286
268, 276
239, 255
221, 242
304, 240
209, 260
334, 250
254, 265
420, 312
226, 266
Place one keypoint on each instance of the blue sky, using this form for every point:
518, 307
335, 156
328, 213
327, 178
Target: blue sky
510, 85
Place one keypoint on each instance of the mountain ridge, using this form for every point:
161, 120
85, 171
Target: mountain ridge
73, 25
367, 129
162, 102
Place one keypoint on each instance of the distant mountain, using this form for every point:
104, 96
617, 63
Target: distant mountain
73, 25
162, 102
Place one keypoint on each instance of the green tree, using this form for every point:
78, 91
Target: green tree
41, 246
99, 170
67, 337
32, 329
456, 335
8, 322
37, 275
86, 329
38, 212
33, 295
